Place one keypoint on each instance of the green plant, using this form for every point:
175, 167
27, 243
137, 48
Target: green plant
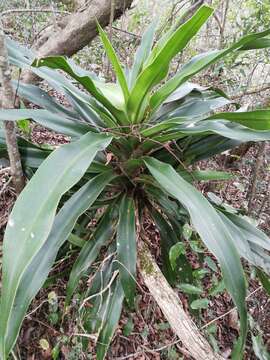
131, 146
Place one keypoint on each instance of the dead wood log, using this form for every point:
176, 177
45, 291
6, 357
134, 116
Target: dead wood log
192, 340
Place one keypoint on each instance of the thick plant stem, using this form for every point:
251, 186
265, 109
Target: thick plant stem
192, 340
9, 126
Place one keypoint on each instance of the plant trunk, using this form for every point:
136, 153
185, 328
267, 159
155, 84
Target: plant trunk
75, 31
8, 98
192, 340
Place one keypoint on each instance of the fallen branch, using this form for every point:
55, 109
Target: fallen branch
190, 336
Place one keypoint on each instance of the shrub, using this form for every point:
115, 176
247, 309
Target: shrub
131, 146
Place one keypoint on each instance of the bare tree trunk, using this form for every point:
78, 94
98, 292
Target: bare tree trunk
9, 126
192, 340
75, 31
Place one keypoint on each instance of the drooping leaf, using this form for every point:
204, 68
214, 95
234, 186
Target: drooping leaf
38, 270
206, 146
211, 230
48, 119
41, 98
205, 175
258, 119
57, 174
220, 127
194, 105
251, 233
94, 87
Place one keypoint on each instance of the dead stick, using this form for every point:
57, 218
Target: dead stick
183, 326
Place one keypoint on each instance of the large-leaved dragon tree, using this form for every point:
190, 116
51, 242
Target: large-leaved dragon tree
132, 144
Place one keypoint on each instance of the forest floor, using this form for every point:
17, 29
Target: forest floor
144, 334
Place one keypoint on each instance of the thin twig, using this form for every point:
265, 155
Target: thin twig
5, 185
131, 275
127, 32
148, 350
88, 336
5, 170
100, 292
231, 310
11, 11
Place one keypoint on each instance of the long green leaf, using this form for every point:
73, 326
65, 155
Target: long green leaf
24, 57
212, 231
25, 235
90, 251
41, 98
207, 146
115, 62
48, 119
221, 127
192, 105
158, 68
92, 86
126, 248
200, 62
258, 119
38, 270
252, 234
114, 309
251, 243
143, 52
205, 175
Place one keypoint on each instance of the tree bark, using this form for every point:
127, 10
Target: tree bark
75, 31
192, 340
9, 126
